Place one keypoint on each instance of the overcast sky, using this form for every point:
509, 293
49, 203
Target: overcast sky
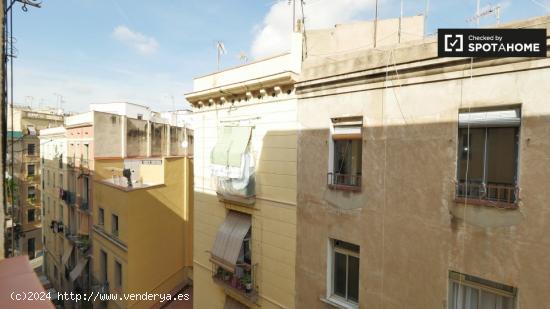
149, 51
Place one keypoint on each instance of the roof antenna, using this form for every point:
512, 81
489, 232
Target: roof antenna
489, 10
221, 51
243, 57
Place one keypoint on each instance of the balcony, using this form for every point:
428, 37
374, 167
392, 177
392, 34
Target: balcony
32, 201
100, 286
504, 196
32, 178
347, 182
84, 205
82, 242
69, 197
241, 283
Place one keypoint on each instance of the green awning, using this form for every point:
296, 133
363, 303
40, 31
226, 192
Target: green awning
231, 145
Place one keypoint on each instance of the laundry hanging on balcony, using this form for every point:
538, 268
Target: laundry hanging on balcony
229, 154
232, 162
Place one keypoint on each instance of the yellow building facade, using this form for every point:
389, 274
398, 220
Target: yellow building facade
245, 127
142, 228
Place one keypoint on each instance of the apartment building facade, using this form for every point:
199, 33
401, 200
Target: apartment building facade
23, 230
246, 133
244, 121
53, 154
422, 180
67, 188
141, 227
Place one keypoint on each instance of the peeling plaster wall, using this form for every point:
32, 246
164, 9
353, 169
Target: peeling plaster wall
408, 237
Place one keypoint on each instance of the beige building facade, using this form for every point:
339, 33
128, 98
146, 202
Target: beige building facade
24, 228
245, 127
421, 180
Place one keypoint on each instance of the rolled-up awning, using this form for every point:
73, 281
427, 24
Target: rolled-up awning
77, 270
229, 240
67, 255
347, 128
231, 145
500, 118
230, 303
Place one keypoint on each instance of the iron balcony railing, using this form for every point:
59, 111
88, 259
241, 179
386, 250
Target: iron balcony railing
493, 194
349, 181
242, 281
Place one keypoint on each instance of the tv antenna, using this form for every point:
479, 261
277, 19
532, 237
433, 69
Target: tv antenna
242, 57
489, 10
220, 48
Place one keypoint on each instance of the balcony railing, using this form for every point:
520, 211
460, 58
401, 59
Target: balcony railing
69, 197
32, 178
84, 205
490, 194
350, 182
100, 286
242, 281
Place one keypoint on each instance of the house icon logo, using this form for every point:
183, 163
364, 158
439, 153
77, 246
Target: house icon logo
454, 42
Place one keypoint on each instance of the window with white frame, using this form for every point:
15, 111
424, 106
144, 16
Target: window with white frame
345, 157
469, 292
344, 273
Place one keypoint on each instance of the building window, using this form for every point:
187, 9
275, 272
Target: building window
31, 149
61, 180
345, 157
85, 191
61, 212
344, 273
31, 193
114, 225
118, 275
30, 170
30, 215
488, 157
103, 265
101, 217
469, 292
31, 248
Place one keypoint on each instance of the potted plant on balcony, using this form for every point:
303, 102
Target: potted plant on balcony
246, 280
226, 275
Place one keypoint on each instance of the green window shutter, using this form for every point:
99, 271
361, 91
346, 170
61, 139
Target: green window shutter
221, 150
240, 137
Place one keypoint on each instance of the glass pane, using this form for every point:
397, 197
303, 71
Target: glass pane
471, 156
493, 301
353, 279
339, 274
463, 297
501, 155
347, 162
